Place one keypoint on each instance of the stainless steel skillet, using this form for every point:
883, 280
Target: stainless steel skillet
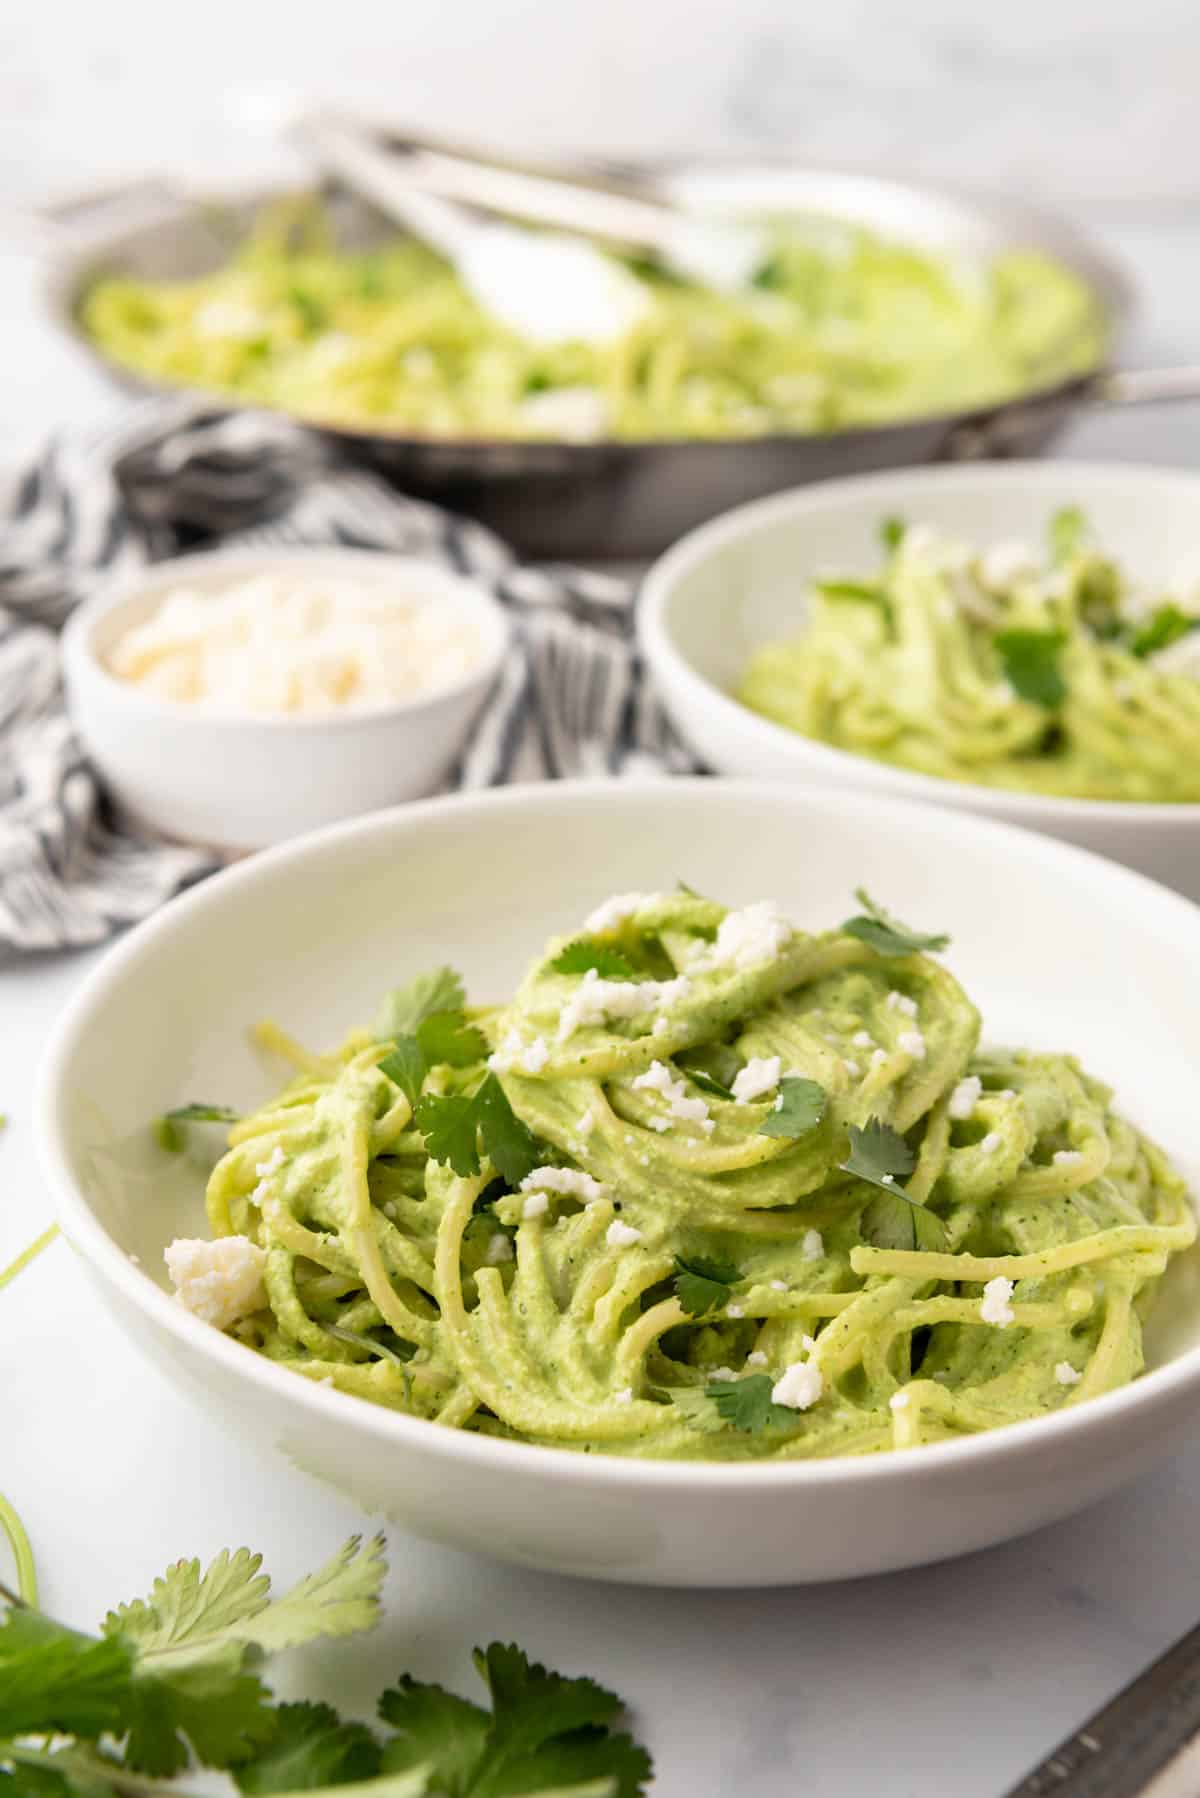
629, 500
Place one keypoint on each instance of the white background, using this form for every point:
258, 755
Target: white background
948, 1682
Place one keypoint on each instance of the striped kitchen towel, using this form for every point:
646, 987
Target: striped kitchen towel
166, 478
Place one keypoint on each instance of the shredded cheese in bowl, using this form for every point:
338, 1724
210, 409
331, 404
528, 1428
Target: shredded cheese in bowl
296, 642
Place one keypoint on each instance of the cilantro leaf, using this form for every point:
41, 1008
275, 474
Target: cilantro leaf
892, 1220
171, 1137
702, 1284
407, 1006
55, 1680
545, 1733
581, 957
713, 1068
891, 532
860, 592
1031, 668
450, 1126
310, 1747
1166, 626
887, 935
878, 1154
209, 1702
747, 1404
447, 1040
339, 1599
405, 1066
511, 1146
799, 1108
1067, 533
708, 1084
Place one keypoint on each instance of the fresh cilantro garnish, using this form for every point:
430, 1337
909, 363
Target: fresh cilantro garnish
857, 592
891, 532
886, 934
1067, 533
702, 1284
708, 1083
442, 1039
1166, 626
878, 1154
1031, 668
407, 1006
893, 1220
171, 1137
454, 1125
310, 1747
543, 1733
581, 957
713, 1068
747, 1404
799, 1108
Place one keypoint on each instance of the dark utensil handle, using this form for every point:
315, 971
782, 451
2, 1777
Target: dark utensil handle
1145, 1729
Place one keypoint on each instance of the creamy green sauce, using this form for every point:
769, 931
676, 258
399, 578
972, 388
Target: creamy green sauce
838, 330
666, 1277
1040, 671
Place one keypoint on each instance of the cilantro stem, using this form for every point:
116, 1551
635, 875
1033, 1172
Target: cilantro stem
22, 1553
27, 1255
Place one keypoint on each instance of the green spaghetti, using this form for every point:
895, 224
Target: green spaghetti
838, 329
707, 1187
1043, 672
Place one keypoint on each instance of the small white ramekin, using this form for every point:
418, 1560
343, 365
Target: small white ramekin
239, 781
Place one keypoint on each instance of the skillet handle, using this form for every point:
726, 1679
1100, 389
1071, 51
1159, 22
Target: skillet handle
1148, 386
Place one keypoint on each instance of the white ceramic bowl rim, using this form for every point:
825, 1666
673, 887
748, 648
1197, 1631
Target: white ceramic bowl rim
1039, 810
469, 593
1167, 911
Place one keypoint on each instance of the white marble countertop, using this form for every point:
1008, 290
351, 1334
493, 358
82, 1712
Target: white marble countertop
948, 1682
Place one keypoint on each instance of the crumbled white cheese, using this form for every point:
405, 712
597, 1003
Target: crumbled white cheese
965, 1097
722, 1373
662, 1125
621, 1235
515, 1054
295, 641
624, 1396
862, 1039
219, 1281
799, 1386
852, 1068
913, 1043
750, 937
1067, 1157
994, 1307
901, 1002
575, 414
273, 1163
498, 1249
900, 1401
658, 1078
812, 1245
990, 1143
734, 1311
756, 1358
1005, 563
597, 1001
536, 1205
614, 911
587, 1122
567, 1180
878, 1058
661, 1027
1066, 1375
760, 1075
779, 1285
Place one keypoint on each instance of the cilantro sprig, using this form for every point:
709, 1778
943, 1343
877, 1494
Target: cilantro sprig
1031, 665
406, 1007
454, 1126
747, 1404
887, 935
582, 957
857, 593
173, 1678
702, 1283
799, 1108
1165, 626
893, 1220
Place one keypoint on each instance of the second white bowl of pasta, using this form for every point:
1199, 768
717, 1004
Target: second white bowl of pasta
743, 1231
1020, 639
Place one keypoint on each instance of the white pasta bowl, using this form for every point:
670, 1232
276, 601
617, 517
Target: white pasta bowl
1060, 949
240, 780
741, 581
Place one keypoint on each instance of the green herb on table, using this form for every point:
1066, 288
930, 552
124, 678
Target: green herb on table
887, 935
